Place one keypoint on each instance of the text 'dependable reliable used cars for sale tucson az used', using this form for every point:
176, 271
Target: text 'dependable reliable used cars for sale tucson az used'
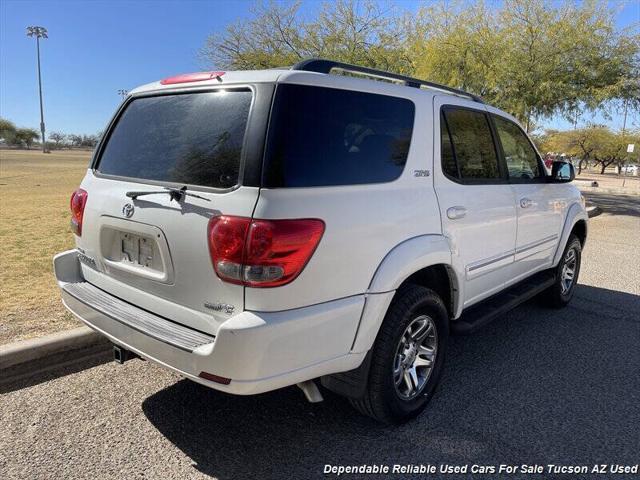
320, 224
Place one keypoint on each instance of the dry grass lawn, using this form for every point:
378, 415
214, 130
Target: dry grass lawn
34, 225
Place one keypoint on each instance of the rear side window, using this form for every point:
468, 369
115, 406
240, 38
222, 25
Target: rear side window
519, 155
470, 136
324, 136
193, 139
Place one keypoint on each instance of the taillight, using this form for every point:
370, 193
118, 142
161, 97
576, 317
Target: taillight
261, 253
78, 201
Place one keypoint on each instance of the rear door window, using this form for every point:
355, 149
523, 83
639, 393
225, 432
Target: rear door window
193, 139
449, 165
476, 159
323, 136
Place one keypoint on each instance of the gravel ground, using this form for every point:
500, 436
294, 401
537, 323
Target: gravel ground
536, 386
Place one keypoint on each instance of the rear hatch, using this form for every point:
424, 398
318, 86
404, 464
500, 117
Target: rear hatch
171, 162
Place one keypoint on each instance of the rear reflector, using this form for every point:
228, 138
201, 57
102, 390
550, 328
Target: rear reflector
261, 253
77, 204
192, 77
215, 378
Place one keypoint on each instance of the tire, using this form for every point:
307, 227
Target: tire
418, 311
559, 295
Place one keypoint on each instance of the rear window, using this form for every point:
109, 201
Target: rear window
193, 139
324, 136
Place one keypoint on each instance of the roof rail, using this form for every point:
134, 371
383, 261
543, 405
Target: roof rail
321, 65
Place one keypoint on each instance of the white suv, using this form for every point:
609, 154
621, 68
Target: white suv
259, 229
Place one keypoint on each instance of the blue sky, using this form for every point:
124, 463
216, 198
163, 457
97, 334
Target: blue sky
97, 47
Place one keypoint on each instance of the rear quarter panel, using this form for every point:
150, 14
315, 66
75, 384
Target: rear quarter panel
363, 222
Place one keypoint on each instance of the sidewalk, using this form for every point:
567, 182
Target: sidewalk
608, 183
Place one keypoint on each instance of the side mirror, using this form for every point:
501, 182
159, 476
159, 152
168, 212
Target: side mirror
562, 172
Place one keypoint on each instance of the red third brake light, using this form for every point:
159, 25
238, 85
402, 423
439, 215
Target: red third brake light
261, 253
192, 77
78, 201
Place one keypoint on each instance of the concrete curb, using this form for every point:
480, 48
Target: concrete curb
30, 357
593, 211
29, 350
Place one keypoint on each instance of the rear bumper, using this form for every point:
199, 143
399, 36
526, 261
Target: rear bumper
258, 351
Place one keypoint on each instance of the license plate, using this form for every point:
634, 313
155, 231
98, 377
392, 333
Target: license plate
136, 250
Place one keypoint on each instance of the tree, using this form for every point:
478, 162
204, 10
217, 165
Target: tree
542, 140
457, 46
89, 141
577, 143
76, 140
345, 30
57, 138
7, 130
596, 142
17, 136
26, 136
608, 149
533, 58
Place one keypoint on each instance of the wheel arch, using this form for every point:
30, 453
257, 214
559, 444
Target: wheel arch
424, 260
441, 279
579, 229
575, 222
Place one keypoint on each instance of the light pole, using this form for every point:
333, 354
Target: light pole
624, 127
39, 32
123, 93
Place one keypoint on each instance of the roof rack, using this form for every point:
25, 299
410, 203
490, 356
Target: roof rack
321, 65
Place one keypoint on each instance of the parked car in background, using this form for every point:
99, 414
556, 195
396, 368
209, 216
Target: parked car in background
629, 169
259, 229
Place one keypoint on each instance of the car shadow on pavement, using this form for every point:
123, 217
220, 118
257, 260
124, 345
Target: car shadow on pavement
616, 204
537, 385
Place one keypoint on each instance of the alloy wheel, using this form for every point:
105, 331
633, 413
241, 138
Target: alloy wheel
415, 357
568, 272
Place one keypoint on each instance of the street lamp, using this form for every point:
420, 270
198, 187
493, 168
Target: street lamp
123, 93
39, 32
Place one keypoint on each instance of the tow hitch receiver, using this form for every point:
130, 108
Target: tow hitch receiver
121, 355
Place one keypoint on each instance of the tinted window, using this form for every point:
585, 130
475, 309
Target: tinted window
189, 139
473, 146
449, 165
322, 136
520, 157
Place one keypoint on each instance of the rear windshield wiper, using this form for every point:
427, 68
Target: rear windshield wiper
177, 194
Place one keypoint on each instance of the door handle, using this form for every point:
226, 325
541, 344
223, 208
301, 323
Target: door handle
525, 202
456, 212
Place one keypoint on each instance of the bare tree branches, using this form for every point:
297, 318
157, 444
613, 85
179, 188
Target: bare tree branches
347, 30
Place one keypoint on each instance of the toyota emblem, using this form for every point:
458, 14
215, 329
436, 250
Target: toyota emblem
127, 210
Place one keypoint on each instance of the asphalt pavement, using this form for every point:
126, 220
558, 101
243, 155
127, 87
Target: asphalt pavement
536, 386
